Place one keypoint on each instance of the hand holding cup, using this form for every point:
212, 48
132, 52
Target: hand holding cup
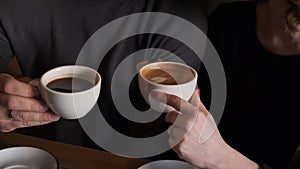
19, 107
170, 77
70, 91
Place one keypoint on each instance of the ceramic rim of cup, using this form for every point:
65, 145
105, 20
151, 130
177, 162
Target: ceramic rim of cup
172, 63
98, 76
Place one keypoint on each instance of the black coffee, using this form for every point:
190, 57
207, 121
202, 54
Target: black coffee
69, 85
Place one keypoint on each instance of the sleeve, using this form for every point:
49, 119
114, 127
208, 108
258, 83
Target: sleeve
6, 51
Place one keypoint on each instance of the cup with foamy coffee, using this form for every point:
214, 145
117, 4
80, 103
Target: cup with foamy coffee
70, 91
171, 77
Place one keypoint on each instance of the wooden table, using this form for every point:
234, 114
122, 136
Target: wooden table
70, 156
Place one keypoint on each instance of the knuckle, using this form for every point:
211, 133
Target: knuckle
27, 91
189, 125
4, 127
21, 116
34, 105
11, 102
8, 85
195, 111
180, 148
174, 99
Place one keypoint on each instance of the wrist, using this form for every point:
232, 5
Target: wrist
232, 159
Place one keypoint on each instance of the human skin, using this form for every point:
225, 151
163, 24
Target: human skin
26, 110
195, 136
272, 31
190, 119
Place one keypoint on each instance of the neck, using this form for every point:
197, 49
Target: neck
271, 27
275, 10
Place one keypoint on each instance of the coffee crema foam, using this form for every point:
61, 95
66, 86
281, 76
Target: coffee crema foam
168, 75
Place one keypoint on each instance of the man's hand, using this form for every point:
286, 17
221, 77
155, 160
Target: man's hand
19, 107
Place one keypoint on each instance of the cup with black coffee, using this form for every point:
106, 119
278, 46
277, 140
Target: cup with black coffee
171, 77
70, 91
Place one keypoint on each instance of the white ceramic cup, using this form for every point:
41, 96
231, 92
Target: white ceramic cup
184, 75
26, 158
72, 105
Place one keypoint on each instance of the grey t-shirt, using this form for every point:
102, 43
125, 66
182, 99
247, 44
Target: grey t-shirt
50, 33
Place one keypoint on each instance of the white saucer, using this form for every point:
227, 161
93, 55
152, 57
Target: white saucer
26, 158
167, 164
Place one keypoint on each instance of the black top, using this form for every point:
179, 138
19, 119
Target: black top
261, 118
49, 33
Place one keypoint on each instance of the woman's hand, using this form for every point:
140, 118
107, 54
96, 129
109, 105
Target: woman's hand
18, 106
195, 136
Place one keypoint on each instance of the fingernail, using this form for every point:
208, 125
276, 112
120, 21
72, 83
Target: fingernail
158, 95
154, 93
198, 91
54, 117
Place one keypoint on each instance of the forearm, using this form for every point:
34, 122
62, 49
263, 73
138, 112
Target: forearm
232, 159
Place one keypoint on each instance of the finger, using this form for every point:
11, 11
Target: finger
172, 116
10, 85
5, 125
174, 101
10, 125
208, 129
3, 113
195, 100
198, 91
34, 116
21, 103
189, 112
176, 134
178, 149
